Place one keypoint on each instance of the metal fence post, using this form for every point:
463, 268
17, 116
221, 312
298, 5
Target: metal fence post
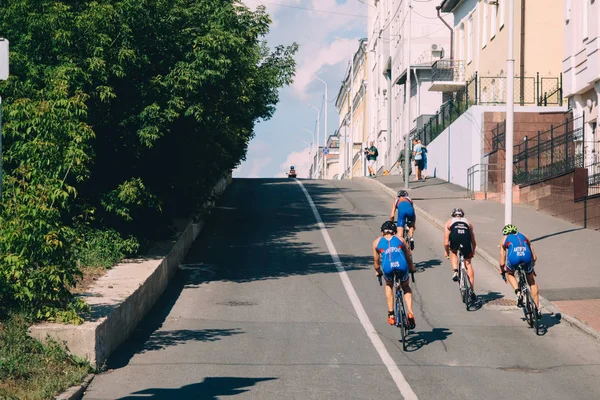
582, 143
537, 89
560, 91
526, 151
566, 143
476, 88
466, 95
551, 144
538, 150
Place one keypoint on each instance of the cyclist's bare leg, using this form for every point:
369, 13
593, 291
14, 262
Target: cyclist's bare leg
453, 260
407, 296
389, 295
470, 273
510, 277
534, 289
411, 231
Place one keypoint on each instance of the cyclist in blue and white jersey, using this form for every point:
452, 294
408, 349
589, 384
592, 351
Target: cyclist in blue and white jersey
516, 249
406, 212
390, 254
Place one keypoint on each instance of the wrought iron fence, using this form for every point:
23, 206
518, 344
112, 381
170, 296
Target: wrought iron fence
448, 70
498, 136
557, 151
456, 104
541, 91
528, 90
594, 179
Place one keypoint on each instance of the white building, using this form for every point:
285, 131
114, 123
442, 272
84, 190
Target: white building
581, 67
390, 27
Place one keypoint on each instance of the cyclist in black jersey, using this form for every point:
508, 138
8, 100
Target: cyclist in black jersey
458, 232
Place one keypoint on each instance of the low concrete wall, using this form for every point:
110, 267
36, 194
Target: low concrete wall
120, 299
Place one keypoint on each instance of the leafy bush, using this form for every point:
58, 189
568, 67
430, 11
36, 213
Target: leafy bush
103, 248
120, 115
29, 369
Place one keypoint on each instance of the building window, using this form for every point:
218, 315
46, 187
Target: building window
584, 25
493, 18
461, 40
501, 11
470, 39
484, 24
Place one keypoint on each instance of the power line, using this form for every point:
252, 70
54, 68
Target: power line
424, 16
310, 9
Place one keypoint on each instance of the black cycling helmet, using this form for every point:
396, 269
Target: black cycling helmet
402, 193
390, 227
292, 167
509, 229
458, 212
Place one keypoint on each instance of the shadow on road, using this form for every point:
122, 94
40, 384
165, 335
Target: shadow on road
483, 299
419, 339
147, 337
421, 266
209, 389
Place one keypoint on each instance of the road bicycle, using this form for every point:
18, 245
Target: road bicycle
530, 309
464, 283
399, 307
406, 234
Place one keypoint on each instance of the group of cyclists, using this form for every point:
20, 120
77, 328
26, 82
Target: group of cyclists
392, 253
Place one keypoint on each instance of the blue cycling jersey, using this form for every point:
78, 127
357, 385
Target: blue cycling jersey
518, 250
392, 257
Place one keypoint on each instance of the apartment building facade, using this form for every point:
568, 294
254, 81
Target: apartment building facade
352, 106
581, 66
391, 23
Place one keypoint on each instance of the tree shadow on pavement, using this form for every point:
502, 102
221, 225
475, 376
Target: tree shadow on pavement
421, 266
148, 337
419, 339
537, 239
211, 388
483, 299
272, 233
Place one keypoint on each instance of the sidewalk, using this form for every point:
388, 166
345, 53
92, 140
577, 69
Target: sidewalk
568, 256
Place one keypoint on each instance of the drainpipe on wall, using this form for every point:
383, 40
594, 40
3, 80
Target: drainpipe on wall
451, 32
522, 69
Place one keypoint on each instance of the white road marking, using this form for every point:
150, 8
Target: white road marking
405, 389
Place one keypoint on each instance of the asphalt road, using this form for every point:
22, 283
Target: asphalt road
259, 311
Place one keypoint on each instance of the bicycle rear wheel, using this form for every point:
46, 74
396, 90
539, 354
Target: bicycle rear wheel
467, 291
529, 307
401, 319
535, 323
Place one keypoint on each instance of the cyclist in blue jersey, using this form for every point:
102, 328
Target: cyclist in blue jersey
516, 249
390, 254
406, 212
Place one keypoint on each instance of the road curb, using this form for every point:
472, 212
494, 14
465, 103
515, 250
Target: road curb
482, 254
76, 392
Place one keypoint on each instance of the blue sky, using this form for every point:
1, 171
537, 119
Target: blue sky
327, 32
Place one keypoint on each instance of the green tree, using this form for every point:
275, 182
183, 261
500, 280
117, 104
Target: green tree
121, 114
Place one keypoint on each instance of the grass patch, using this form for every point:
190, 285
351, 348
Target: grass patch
31, 370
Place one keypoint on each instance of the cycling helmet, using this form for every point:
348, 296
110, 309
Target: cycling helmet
292, 167
458, 212
402, 193
390, 227
508, 229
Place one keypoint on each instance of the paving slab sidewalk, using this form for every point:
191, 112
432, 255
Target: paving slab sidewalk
568, 264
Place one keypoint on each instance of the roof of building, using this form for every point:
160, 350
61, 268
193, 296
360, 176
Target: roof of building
448, 6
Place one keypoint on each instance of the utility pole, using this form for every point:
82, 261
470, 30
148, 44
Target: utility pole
351, 138
323, 171
318, 133
407, 96
510, 115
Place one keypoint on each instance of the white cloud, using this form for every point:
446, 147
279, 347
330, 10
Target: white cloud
252, 168
300, 160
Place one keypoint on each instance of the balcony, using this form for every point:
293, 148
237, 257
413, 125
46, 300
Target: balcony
447, 76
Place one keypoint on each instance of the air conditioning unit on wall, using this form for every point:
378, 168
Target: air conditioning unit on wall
437, 51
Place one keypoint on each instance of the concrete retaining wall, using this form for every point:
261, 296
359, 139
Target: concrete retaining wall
120, 299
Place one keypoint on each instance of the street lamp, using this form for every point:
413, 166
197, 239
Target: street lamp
510, 116
4, 72
318, 136
325, 130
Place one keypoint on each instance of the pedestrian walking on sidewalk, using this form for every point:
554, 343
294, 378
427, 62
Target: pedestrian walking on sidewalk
418, 154
458, 231
424, 154
390, 254
516, 249
372, 154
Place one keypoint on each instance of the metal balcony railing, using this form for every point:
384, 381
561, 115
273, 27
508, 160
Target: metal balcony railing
448, 71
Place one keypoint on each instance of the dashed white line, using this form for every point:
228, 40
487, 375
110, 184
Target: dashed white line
405, 389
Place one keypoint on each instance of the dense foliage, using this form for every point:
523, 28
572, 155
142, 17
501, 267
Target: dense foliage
119, 115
